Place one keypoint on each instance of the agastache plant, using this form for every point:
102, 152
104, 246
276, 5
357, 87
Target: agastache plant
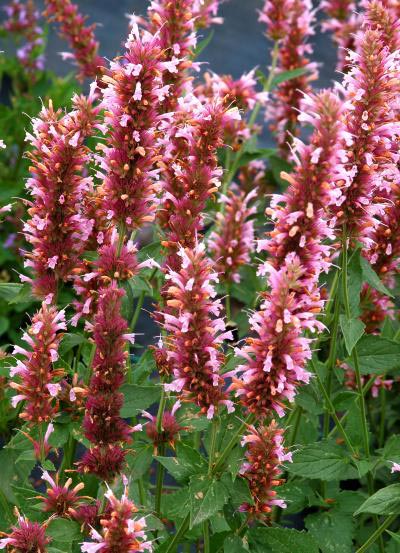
79, 35
211, 336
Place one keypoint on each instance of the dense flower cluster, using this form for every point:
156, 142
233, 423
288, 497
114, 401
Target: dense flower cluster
276, 16
120, 532
132, 99
57, 228
23, 21
37, 379
293, 54
371, 89
60, 498
26, 537
344, 23
232, 242
102, 424
276, 357
79, 36
263, 457
190, 174
195, 333
241, 93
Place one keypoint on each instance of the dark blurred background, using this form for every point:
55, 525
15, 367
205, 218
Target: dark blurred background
237, 46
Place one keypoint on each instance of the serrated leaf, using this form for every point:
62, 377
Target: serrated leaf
385, 501
333, 531
282, 540
372, 278
137, 398
377, 355
191, 457
207, 497
352, 330
178, 468
322, 461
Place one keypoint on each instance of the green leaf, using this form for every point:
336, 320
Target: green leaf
69, 341
372, 278
322, 461
288, 75
137, 398
4, 325
332, 530
139, 463
234, 544
9, 290
352, 330
175, 505
396, 537
282, 540
187, 462
207, 497
64, 530
377, 355
385, 501
202, 45
251, 154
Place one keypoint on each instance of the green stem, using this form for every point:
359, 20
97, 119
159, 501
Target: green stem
331, 361
206, 535
377, 534
141, 491
159, 481
172, 548
293, 435
160, 467
217, 466
382, 419
332, 411
69, 454
354, 353
213, 444
228, 302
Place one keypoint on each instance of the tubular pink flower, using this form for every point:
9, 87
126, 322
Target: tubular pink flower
132, 99
232, 242
110, 265
241, 93
344, 24
300, 224
23, 20
119, 531
60, 498
190, 172
57, 229
276, 15
26, 537
379, 17
205, 13
103, 425
293, 54
79, 36
37, 385
371, 91
264, 456
276, 357
195, 333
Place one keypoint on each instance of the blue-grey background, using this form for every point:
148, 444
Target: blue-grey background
237, 46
